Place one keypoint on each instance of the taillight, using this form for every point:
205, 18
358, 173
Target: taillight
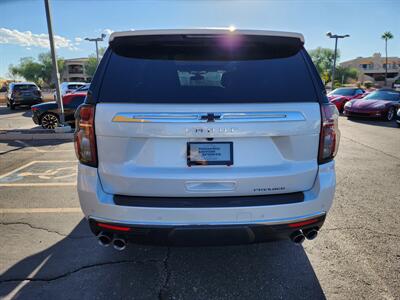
330, 134
85, 140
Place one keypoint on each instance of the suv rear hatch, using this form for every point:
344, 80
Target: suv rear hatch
182, 115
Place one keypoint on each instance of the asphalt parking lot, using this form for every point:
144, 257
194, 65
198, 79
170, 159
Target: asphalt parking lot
20, 118
48, 252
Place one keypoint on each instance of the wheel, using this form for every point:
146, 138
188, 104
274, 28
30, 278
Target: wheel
49, 121
398, 124
12, 106
390, 114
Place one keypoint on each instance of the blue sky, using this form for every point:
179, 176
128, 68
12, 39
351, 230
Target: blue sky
74, 20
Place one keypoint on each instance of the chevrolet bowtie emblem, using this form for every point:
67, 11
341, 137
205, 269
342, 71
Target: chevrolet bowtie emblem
210, 117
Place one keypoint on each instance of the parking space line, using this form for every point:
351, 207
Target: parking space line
23, 283
40, 210
34, 162
18, 169
36, 149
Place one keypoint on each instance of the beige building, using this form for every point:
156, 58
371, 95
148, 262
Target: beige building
74, 70
373, 68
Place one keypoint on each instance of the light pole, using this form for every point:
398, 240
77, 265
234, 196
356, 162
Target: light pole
54, 61
336, 37
96, 40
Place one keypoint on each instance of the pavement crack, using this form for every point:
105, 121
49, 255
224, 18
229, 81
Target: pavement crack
69, 273
45, 229
163, 293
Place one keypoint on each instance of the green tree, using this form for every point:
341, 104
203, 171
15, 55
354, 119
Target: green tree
91, 64
346, 73
39, 71
386, 36
323, 61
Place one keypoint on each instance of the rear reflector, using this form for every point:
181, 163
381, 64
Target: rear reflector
303, 223
330, 134
113, 227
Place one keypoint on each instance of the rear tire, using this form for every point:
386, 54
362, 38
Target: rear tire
49, 121
390, 114
12, 106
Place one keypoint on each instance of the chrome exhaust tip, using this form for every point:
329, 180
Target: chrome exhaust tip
297, 237
310, 234
104, 239
119, 244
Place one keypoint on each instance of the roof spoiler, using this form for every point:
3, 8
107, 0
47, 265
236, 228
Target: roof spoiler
206, 31
210, 44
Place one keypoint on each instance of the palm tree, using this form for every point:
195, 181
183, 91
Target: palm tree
386, 36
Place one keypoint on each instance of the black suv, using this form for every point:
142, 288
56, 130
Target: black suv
23, 93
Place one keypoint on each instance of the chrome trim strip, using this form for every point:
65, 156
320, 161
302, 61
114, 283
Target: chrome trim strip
242, 117
255, 222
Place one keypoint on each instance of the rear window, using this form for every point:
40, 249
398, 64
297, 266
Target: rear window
343, 92
383, 95
74, 86
271, 70
25, 87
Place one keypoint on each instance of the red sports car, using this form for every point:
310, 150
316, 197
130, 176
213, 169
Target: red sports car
379, 104
340, 96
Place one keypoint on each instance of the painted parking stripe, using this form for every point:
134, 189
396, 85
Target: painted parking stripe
41, 210
37, 149
51, 175
34, 162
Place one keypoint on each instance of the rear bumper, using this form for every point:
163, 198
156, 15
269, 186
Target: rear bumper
100, 206
201, 235
27, 101
365, 114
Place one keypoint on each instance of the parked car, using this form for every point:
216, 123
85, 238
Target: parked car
69, 87
340, 96
83, 88
48, 115
382, 103
23, 93
396, 84
193, 133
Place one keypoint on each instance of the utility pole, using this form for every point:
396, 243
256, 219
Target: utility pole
54, 61
96, 40
336, 37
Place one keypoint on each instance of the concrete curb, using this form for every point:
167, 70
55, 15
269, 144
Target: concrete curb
9, 136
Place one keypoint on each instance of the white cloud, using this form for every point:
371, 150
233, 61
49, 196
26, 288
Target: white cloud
108, 31
29, 39
78, 39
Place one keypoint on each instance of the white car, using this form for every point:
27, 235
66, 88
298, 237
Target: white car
69, 87
206, 136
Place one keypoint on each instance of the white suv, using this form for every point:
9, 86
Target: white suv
193, 136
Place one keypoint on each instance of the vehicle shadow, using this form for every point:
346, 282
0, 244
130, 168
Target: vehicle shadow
18, 145
4, 110
77, 267
373, 122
